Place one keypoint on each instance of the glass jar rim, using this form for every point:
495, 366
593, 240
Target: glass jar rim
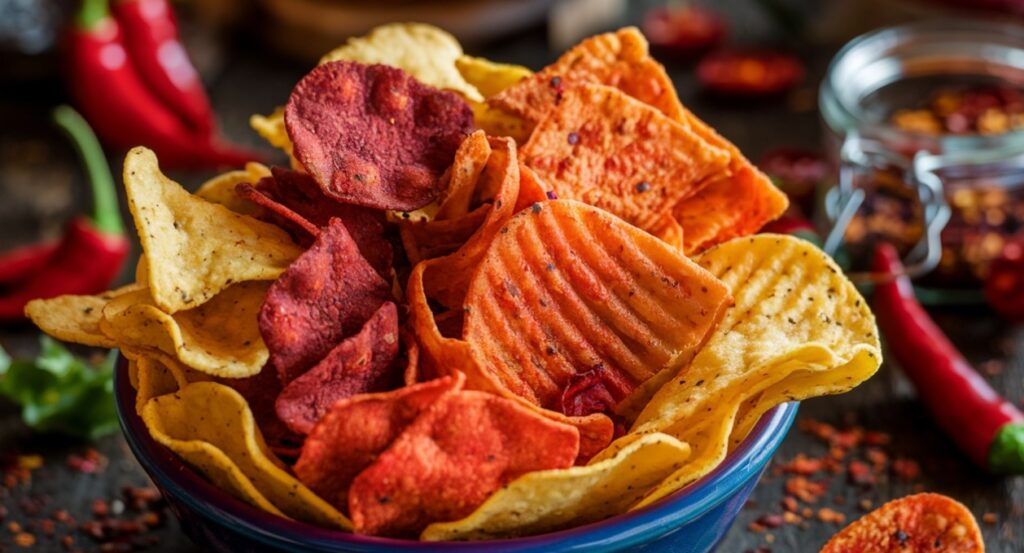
936, 47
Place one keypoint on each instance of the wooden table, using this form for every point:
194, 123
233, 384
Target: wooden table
38, 173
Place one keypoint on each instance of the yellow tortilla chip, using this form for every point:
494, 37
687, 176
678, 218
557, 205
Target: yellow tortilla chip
552, 499
221, 189
154, 379
75, 319
798, 328
195, 248
272, 129
424, 51
490, 77
226, 424
220, 337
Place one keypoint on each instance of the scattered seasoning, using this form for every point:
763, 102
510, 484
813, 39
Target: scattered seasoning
24, 539
989, 518
89, 462
643, 186
536, 208
551, 195
831, 516
573, 138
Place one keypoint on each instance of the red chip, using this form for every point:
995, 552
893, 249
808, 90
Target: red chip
452, 458
598, 390
755, 73
325, 296
372, 135
356, 430
297, 203
359, 364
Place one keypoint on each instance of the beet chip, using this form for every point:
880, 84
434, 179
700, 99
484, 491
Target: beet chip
325, 296
358, 365
356, 430
372, 135
297, 203
452, 458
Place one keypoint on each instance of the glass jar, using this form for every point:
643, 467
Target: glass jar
947, 196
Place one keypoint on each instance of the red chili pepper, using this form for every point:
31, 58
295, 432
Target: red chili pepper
115, 99
1004, 286
989, 429
687, 30
22, 262
90, 255
151, 35
739, 73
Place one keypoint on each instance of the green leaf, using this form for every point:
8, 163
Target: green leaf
61, 393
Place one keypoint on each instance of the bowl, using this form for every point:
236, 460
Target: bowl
692, 520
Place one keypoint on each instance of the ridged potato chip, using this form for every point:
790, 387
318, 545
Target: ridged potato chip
549, 500
566, 289
220, 337
602, 147
797, 328
194, 248
227, 426
920, 522
221, 189
424, 51
74, 318
620, 59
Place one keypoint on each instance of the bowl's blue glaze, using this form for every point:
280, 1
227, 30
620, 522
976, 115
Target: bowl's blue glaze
693, 520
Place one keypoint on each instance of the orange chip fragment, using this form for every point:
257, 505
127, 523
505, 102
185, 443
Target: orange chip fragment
609, 150
571, 299
620, 59
921, 522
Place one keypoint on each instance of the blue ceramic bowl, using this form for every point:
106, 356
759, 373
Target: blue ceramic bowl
692, 520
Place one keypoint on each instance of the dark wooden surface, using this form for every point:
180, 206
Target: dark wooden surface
42, 185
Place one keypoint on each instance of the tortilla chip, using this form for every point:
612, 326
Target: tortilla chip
75, 319
371, 135
604, 148
920, 522
271, 128
620, 59
490, 77
227, 426
427, 53
221, 189
194, 249
360, 364
549, 500
357, 430
325, 296
422, 476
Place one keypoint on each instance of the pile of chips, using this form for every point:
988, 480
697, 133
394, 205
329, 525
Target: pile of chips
481, 302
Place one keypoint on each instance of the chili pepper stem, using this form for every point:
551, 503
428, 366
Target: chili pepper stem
1006, 455
106, 215
92, 12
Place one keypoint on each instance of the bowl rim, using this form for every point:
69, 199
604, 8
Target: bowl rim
199, 495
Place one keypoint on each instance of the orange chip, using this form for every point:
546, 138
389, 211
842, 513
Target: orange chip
921, 522
618, 59
429, 239
531, 189
443, 356
571, 297
604, 148
470, 160
732, 205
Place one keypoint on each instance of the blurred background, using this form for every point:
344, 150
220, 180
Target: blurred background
753, 69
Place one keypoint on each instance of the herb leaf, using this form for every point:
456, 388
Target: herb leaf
61, 393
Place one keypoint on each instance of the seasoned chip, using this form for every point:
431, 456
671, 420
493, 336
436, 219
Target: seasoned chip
554, 499
271, 128
429, 239
297, 202
194, 248
604, 148
422, 476
76, 318
568, 294
371, 135
920, 522
324, 297
443, 355
618, 59
490, 77
427, 53
360, 364
357, 430
221, 189
220, 337
470, 160
227, 426
798, 328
